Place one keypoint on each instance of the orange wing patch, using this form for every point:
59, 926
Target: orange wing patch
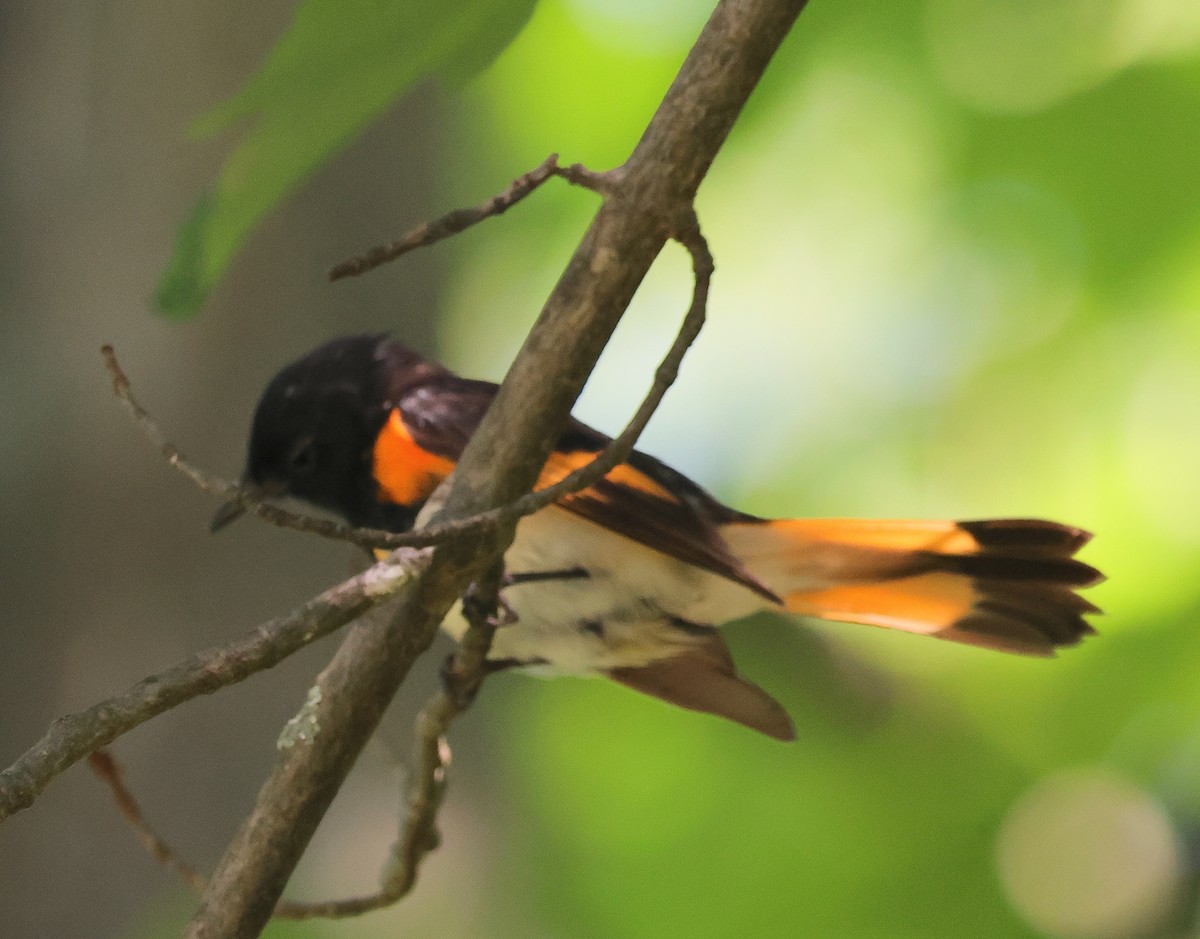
406, 473
560, 465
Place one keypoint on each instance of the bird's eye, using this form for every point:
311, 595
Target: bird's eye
303, 458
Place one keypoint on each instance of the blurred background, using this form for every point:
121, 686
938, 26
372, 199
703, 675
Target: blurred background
957, 248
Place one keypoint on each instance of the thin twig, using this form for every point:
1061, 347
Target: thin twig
687, 233
452, 223
124, 392
418, 835
73, 737
109, 772
215, 485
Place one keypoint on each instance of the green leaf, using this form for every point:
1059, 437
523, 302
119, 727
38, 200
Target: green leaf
335, 70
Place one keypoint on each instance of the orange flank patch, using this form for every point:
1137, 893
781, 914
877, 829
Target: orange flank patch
560, 465
943, 537
927, 603
406, 474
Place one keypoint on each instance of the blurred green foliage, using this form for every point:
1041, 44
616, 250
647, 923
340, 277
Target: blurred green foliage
336, 69
956, 245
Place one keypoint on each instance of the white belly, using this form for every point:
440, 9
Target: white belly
632, 609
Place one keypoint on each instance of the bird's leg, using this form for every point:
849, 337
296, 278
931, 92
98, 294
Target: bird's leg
504, 614
474, 608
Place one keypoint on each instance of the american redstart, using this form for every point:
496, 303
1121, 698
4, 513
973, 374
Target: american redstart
631, 578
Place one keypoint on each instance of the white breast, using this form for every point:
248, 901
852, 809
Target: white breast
623, 614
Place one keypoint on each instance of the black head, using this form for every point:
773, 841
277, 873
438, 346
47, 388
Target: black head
315, 426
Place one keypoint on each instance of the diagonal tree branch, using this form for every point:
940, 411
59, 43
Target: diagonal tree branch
651, 192
431, 759
468, 668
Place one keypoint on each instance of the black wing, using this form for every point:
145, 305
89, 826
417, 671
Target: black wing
643, 499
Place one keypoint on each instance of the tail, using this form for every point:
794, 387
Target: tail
1007, 584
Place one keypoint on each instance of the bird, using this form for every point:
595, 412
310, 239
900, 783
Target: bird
632, 577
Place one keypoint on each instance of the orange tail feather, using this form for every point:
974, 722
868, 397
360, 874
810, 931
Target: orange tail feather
1006, 584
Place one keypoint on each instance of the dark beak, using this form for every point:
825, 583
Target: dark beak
229, 512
